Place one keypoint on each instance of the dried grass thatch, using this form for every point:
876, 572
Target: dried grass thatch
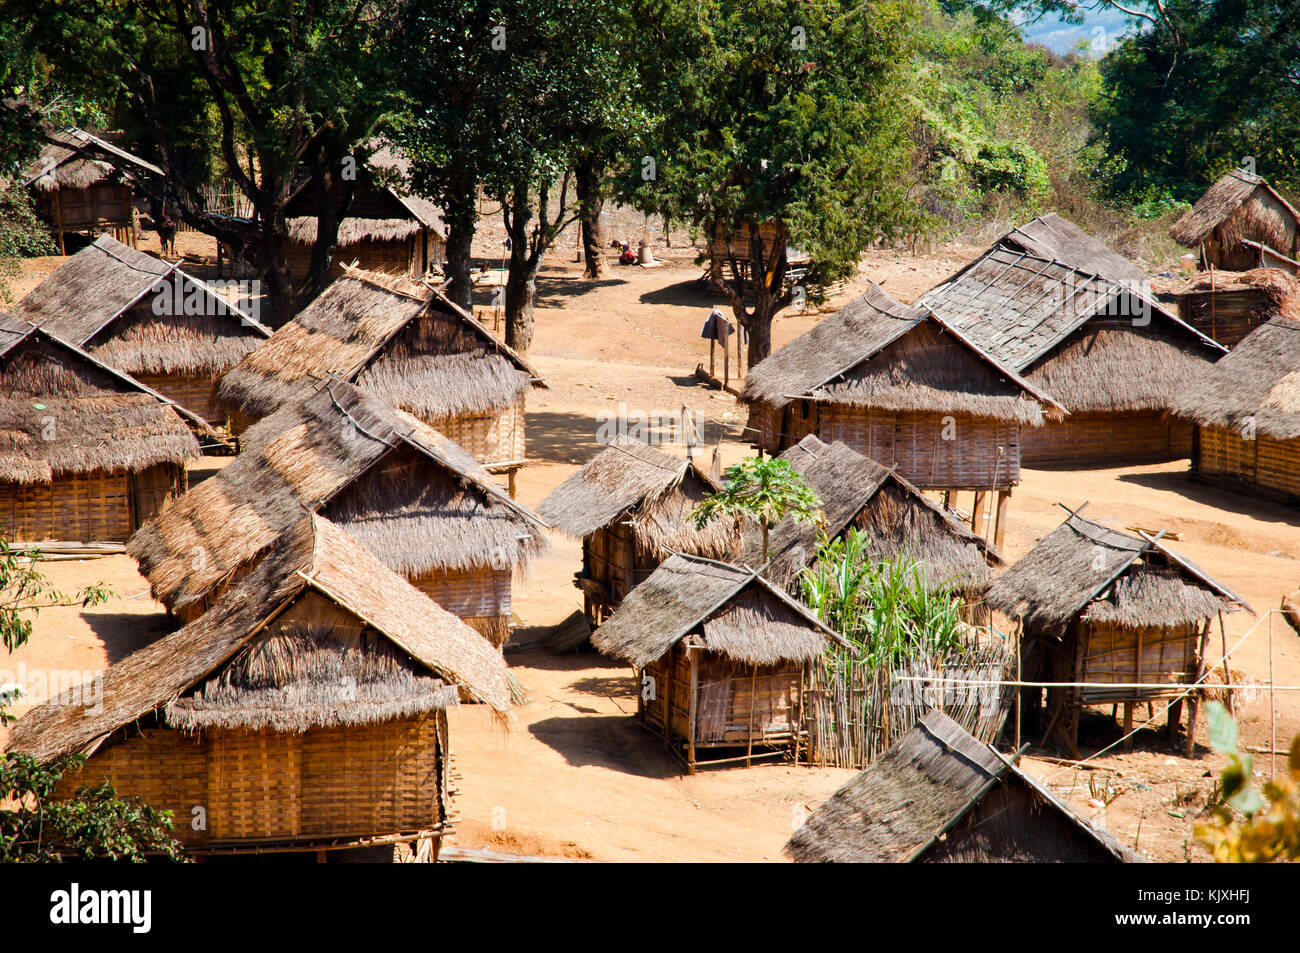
1280, 290
923, 787
1249, 208
851, 358
412, 496
241, 682
1090, 341
74, 159
1257, 385
897, 517
654, 492
1086, 569
102, 299
724, 608
62, 411
414, 349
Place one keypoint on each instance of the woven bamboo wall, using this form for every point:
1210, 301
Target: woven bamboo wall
489, 438
1226, 316
672, 698
194, 393
85, 507
1107, 440
102, 205
273, 787
1147, 654
914, 444
732, 694
1272, 464
479, 597
399, 256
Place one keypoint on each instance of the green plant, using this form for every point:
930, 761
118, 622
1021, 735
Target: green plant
892, 610
768, 490
36, 826
1245, 825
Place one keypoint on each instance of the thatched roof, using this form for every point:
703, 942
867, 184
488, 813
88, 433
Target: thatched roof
416, 350
415, 498
1092, 341
1224, 199
1259, 383
652, 491
234, 667
897, 517
1280, 290
76, 159
1086, 569
91, 300
62, 411
857, 357
921, 788
722, 608
1054, 238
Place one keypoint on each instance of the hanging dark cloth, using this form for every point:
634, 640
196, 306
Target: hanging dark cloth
717, 327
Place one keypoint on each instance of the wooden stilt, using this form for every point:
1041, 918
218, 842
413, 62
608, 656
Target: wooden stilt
977, 513
1128, 725
1000, 519
1175, 714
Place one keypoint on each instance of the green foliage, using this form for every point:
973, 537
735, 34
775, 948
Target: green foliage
22, 235
1212, 82
769, 490
94, 824
25, 591
780, 111
1247, 826
892, 610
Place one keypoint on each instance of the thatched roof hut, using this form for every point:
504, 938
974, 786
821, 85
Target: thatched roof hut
1234, 218
79, 185
940, 796
147, 318
725, 652
896, 516
409, 346
307, 709
882, 377
1109, 610
1247, 414
86, 452
1096, 341
1228, 305
387, 229
631, 507
411, 495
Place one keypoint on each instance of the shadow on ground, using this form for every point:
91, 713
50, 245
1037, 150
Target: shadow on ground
125, 632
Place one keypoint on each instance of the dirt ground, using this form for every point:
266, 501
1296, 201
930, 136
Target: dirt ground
575, 776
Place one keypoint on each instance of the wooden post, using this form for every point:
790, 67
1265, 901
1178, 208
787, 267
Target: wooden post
1128, 725
726, 365
510, 480
1000, 527
713, 348
1194, 700
977, 519
1227, 672
668, 702
695, 691
749, 747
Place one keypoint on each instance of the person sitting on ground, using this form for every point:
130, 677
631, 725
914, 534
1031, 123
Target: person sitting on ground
628, 257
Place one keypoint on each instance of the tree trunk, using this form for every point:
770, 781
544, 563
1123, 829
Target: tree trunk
591, 202
521, 281
461, 217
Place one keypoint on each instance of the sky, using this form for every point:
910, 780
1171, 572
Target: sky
1100, 29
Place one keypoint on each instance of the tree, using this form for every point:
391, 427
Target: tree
94, 822
781, 113
287, 88
768, 490
21, 236
1245, 826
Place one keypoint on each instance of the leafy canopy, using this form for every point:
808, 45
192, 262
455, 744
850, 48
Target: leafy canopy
769, 490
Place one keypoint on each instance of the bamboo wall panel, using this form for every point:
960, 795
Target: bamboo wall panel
82, 507
1272, 464
102, 205
1107, 440
480, 597
913, 443
167, 769
153, 488
1226, 316
489, 438
731, 693
1122, 655
194, 393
